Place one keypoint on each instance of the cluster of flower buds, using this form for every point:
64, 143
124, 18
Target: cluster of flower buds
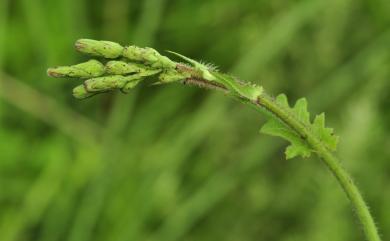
122, 68
119, 68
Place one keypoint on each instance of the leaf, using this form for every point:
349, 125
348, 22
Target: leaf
249, 91
298, 146
189, 60
325, 134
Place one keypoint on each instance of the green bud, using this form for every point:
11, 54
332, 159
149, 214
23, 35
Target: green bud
169, 76
105, 83
105, 49
91, 68
148, 56
130, 85
121, 67
79, 92
140, 54
165, 62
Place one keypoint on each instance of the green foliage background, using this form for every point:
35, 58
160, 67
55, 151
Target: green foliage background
177, 163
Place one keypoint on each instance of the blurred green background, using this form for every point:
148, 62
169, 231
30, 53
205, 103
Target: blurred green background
169, 163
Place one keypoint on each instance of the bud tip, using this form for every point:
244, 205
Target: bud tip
53, 73
80, 45
79, 92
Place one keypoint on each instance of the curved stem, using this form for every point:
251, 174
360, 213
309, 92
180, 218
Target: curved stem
353, 194
267, 104
331, 162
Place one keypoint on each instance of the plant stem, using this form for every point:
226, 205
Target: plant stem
331, 162
353, 194
267, 104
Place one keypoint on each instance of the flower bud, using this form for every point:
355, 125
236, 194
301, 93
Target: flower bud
130, 85
148, 56
105, 83
171, 76
121, 67
105, 49
140, 54
91, 68
79, 92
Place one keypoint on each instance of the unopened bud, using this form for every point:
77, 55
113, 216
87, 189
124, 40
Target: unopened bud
148, 56
121, 67
171, 76
79, 92
105, 49
91, 68
105, 83
130, 85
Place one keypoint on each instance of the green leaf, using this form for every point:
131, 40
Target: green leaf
325, 134
246, 90
189, 60
298, 146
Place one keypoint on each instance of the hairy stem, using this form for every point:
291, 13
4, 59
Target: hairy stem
331, 162
268, 104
